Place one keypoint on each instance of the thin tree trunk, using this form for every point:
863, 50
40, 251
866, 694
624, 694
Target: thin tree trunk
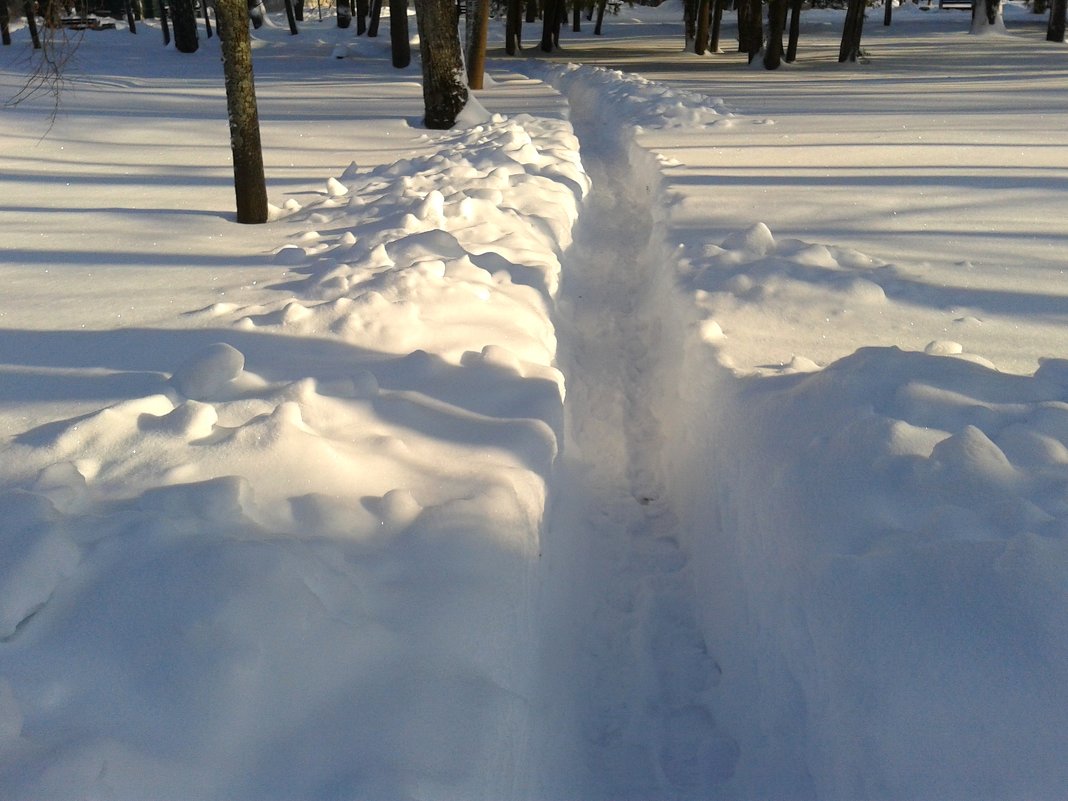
5, 23
444, 93
717, 25
1055, 31
376, 18
852, 31
795, 30
689, 22
750, 28
513, 27
344, 13
250, 187
361, 17
207, 19
184, 19
532, 11
600, 17
476, 45
700, 41
298, 6
130, 22
398, 33
291, 18
31, 23
576, 17
164, 24
776, 28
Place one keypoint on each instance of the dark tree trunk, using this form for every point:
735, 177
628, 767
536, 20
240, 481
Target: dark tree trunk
250, 187
130, 22
550, 24
207, 18
750, 27
398, 33
532, 10
476, 45
700, 41
31, 23
776, 29
444, 93
600, 17
185, 26
164, 23
795, 30
1055, 31
717, 25
344, 13
888, 12
376, 18
299, 8
576, 17
5, 23
513, 27
361, 17
291, 18
689, 21
852, 31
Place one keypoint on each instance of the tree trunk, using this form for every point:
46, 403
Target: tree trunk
130, 23
298, 6
513, 27
361, 17
852, 31
576, 17
1055, 31
776, 28
398, 33
689, 22
5, 23
164, 23
444, 93
478, 11
207, 19
750, 27
700, 41
250, 187
184, 20
291, 18
600, 17
344, 13
717, 25
31, 23
795, 30
888, 12
532, 10
985, 14
550, 15
1039, 7
376, 18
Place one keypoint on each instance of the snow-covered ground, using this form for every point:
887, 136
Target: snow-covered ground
694, 434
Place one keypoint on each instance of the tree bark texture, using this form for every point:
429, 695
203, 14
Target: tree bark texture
750, 27
795, 30
444, 92
550, 18
250, 187
852, 31
399, 42
362, 7
1055, 31
291, 18
376, 18
717, 25
600, 17
476, 45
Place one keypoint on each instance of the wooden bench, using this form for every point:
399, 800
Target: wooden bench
86, 23
961, 5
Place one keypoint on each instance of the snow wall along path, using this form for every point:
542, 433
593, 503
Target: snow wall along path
876, 549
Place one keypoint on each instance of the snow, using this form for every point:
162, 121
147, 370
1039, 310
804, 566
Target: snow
670, 429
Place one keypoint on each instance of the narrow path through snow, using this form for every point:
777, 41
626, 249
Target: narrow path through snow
620, 630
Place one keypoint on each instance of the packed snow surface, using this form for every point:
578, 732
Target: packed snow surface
670, 429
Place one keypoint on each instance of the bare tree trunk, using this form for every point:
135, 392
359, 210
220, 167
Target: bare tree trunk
888, 12
291, 18
444, 93
532, 10
700, 41
5, 23
398, 33
513, 27
207, 19
776, 28
1055, 31
550, 23
376, 18
576, 17
344, 13
750, 27
1039, 7
600, 17
476, 45
717, 24
361, 17
852, 31
795, 30
250, 187
164, 24
31, 23
184, 19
